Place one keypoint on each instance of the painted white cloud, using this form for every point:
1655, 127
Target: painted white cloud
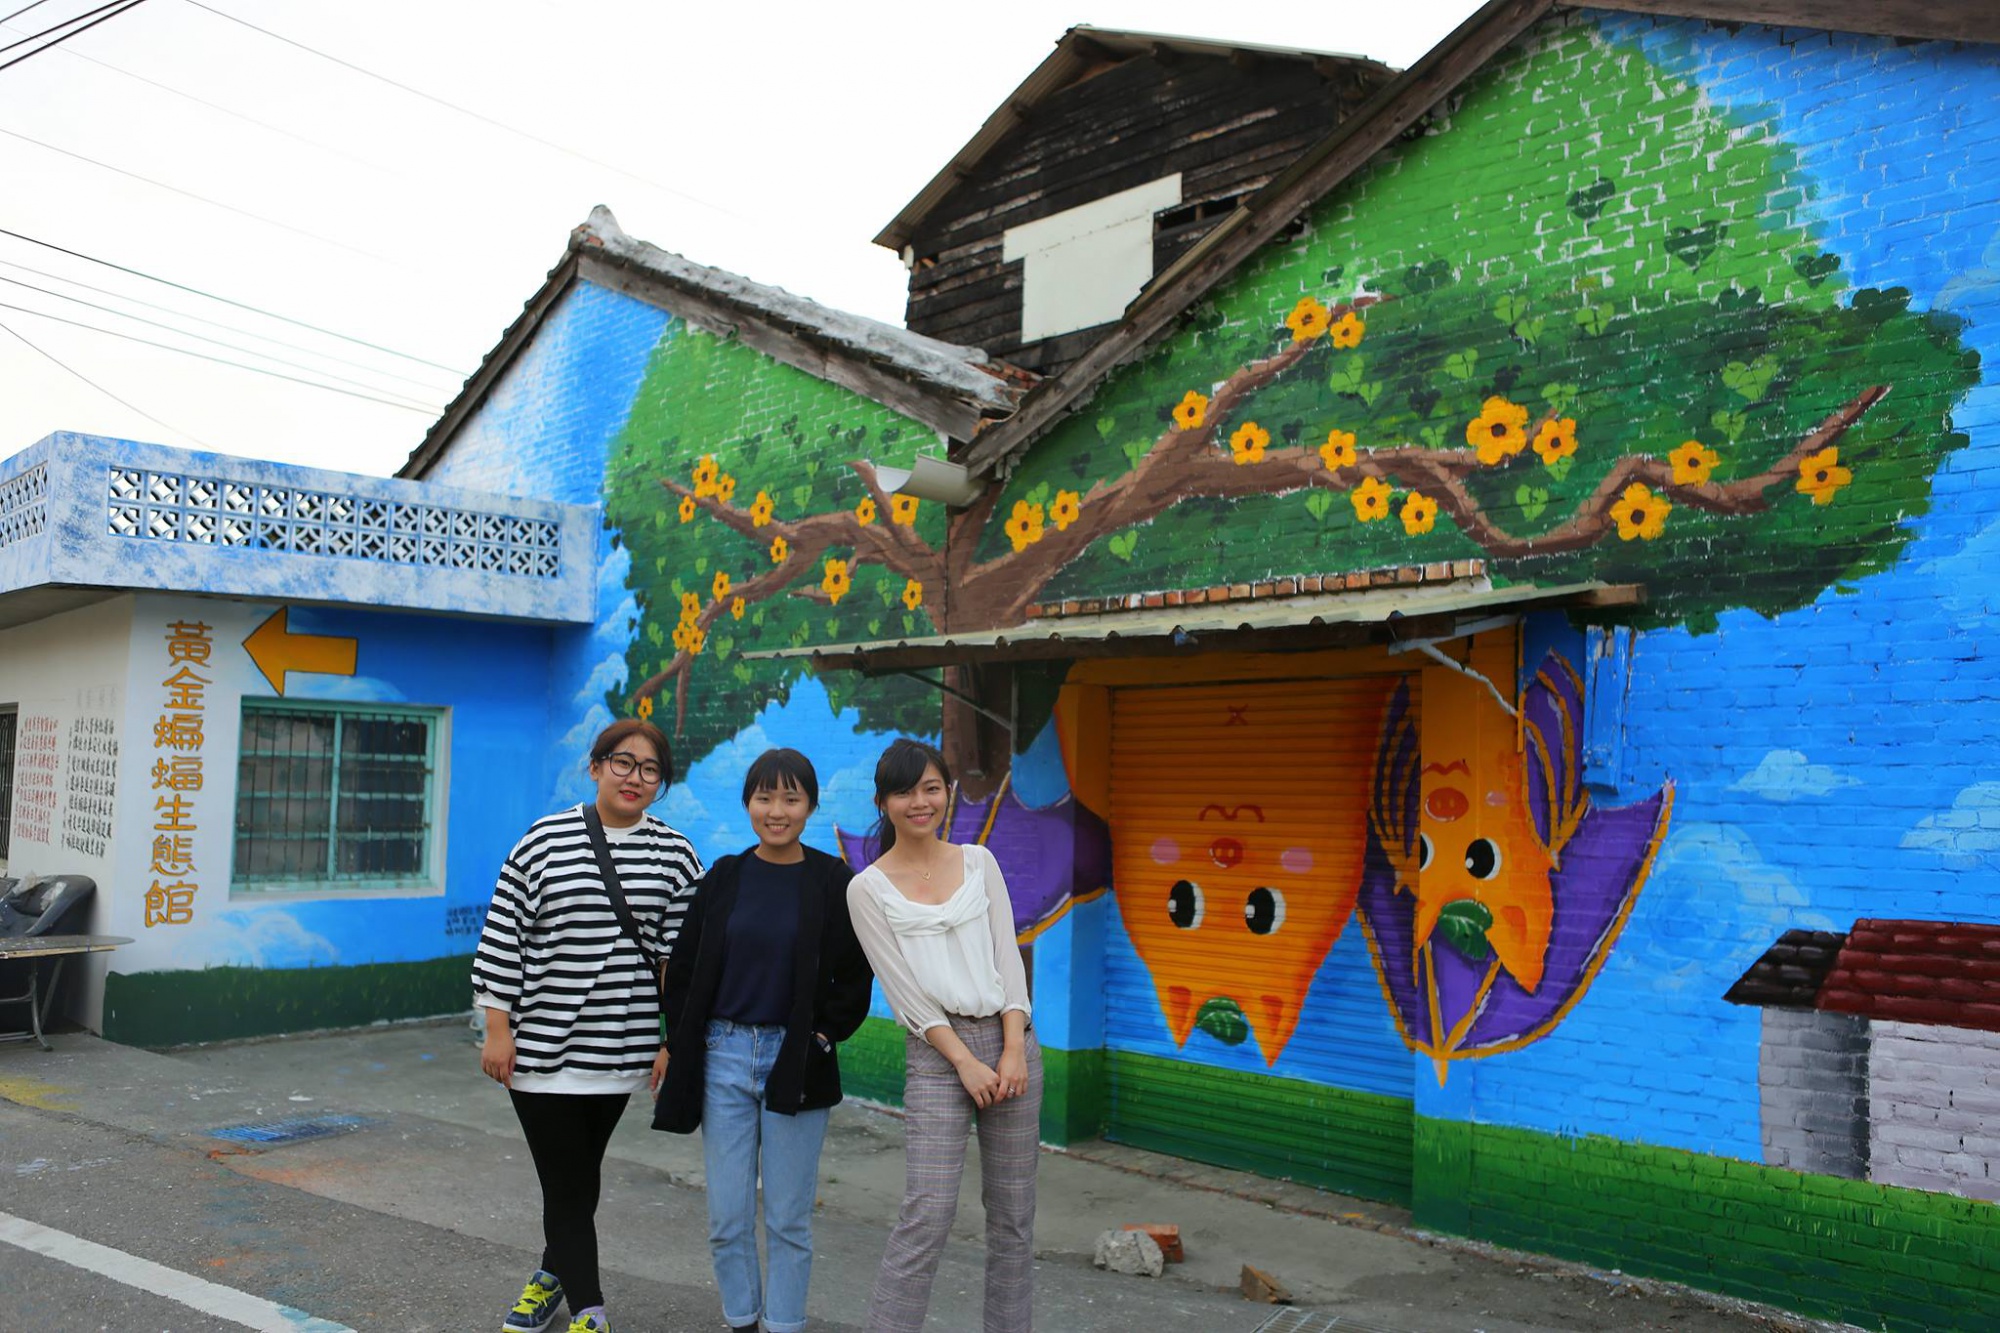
351, 689
1966, 834
266, 937
1706, 872
1786, 775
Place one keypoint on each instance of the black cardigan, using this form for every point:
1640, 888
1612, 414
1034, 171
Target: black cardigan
831, 985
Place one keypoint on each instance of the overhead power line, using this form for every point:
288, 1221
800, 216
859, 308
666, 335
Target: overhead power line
467, 111
211, 323
72, 370
16, 14
243, 116
199, 198
240, 305
213, 342
219, 360
116, 8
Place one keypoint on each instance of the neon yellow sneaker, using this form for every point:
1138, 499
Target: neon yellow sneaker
590, 1321
541, 1300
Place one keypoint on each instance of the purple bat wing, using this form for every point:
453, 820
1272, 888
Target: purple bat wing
1387, 913
1603, 867
1551, 724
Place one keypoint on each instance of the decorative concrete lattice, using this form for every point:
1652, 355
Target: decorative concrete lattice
207, 511
24, 505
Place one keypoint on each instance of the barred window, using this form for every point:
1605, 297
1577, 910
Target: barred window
338, 796
9, 717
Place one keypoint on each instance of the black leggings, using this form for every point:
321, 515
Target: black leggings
567, 1133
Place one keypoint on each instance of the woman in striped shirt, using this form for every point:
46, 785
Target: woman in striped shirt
569, 985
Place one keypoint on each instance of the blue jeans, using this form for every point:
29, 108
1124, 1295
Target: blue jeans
736, 1133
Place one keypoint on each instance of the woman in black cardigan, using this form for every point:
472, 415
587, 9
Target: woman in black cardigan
766, 978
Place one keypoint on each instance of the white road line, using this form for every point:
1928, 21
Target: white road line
196, 1293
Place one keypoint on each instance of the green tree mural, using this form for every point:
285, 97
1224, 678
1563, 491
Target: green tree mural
1615, 353
1582, 329
720, 428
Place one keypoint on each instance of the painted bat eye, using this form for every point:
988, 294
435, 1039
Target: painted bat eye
1264, 910
1184, 904
1423, 851
1482, 859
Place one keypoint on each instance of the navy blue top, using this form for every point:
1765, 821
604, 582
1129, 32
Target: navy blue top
757, 962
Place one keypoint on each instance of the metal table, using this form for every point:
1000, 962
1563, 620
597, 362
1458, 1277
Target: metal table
36, 948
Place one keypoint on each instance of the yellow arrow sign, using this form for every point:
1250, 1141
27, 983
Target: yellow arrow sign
276, 650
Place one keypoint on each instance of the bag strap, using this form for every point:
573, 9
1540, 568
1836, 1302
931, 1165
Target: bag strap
608, 871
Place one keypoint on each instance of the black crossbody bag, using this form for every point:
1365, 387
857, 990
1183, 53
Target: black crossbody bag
608, 871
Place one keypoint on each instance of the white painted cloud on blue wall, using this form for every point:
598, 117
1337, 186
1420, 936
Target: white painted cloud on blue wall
1704, 872
266, 937
1965, 835
1786, 775
350, 689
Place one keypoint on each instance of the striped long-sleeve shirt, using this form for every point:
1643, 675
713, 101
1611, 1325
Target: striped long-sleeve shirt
585, 1007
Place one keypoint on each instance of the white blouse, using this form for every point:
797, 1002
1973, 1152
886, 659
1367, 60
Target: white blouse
933, 959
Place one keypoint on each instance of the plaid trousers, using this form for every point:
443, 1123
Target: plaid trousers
939, 1114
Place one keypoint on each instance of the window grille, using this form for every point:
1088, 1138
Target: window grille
336, 794
8, 720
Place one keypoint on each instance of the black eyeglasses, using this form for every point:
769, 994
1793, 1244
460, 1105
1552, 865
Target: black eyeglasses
624, 765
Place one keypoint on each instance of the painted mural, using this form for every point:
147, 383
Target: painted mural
1496, 885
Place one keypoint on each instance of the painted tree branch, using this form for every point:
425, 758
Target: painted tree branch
895, 547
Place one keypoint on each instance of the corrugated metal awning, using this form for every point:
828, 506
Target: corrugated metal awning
1326, 620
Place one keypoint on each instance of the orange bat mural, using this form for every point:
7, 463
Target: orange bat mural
1244, 819
1495, 886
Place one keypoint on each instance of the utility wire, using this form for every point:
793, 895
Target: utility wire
213, 342
77, 18
475, 115
211, 323
238, 115
199, 198
240, 305
9, 19
219, 360
128, 7
72, 370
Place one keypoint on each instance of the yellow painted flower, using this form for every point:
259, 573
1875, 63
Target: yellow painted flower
760, 510
1338, 451
725, 488
690, 605
903, 510
705, 473
696, 637
864, 513
1064, 511
1347, 330
836, 582
681, 633
1556, 439
1693, 462
779, 550
913, 594
1191, 411
1308, 320
720, 588
1247, 445
645, 707
736, 607
1640, 513
687, 509
1371, 499
1821, 476
1499, 431
1419, 514
1024, 529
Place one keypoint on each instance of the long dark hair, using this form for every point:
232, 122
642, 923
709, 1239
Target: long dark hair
900, 768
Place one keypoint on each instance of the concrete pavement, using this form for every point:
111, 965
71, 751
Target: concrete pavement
419, 1210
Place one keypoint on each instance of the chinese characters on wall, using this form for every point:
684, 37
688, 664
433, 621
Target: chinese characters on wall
177, 775
91, 755
36, 756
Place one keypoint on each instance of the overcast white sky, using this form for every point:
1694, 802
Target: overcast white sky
772, 139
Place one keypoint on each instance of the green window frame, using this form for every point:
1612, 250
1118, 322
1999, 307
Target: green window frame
338, 796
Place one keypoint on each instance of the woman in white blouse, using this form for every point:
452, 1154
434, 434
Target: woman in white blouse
937, 924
